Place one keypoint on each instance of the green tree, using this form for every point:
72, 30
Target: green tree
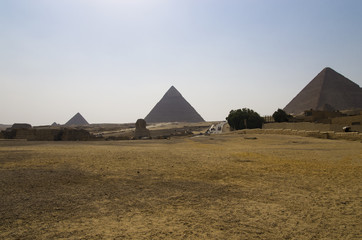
281, 116
244, 118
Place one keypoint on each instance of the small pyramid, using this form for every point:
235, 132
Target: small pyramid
77, 120
54, 124
328, 90
173, 108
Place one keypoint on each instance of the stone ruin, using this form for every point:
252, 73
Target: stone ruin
25, 131
21, 126
141, 130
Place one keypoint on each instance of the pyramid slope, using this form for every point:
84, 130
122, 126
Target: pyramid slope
173, 108
328, 88
77, 120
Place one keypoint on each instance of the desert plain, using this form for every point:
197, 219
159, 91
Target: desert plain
227, 186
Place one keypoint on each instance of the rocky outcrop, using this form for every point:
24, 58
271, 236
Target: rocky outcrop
141, 130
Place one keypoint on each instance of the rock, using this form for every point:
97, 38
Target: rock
141, 131
250, 138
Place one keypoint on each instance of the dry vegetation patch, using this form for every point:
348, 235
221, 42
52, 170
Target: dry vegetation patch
208, 187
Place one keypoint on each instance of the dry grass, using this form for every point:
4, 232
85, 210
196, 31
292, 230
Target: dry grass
218, 187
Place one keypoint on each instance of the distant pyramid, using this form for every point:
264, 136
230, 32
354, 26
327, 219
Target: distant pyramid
77, 120
173, 108
328, 90
54, 124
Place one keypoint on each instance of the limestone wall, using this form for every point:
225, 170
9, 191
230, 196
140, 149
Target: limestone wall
23, 133
353, 136
49, 134
307, 126
347, 120
69, 134
21, 126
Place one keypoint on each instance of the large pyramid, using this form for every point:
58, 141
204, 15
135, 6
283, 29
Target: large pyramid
329, 90
77, 120
173, 108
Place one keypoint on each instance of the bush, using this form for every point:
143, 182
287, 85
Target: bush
281, 116
244, 118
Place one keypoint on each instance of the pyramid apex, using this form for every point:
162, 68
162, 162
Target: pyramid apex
328, 69
172, 92
330, 74
172, 88
77, 120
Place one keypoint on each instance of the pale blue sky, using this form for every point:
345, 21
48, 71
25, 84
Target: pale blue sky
113, 60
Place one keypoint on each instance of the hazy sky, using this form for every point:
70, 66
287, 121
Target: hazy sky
113, 60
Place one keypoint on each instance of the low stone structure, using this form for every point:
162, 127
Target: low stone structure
70, 134
307, 126
351, 136
48, 134
348, 120
21, 126
141, 130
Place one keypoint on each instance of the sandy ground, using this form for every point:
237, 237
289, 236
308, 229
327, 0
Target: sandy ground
209, 187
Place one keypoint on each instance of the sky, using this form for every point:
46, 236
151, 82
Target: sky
113, 60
